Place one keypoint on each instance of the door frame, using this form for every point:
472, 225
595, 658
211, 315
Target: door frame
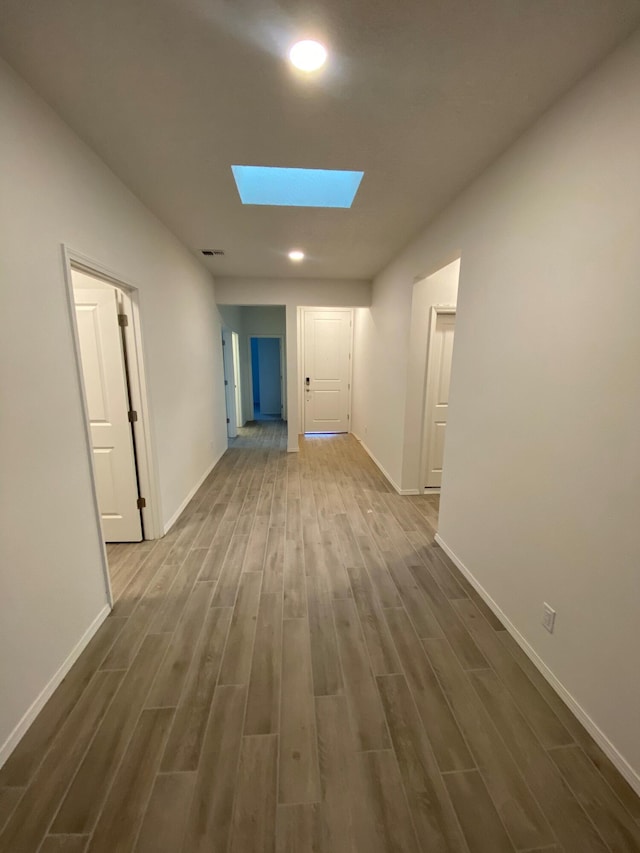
434, 311
301, 356
145, 455
283, 372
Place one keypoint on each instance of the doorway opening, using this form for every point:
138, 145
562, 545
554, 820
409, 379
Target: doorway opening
105, 323
267, 376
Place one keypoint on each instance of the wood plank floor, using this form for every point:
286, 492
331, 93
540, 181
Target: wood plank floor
297, 667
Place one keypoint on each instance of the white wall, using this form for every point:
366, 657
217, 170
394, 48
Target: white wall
293, 293
53, 190
541, 491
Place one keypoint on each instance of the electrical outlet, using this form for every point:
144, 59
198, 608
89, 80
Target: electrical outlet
549, 618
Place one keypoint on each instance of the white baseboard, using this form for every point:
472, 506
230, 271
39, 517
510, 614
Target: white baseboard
176, 515
38, 704
386, 474
574, 706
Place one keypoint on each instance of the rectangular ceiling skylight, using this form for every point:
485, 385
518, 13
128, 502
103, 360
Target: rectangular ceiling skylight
296, 187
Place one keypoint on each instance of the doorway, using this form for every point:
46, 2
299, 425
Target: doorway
326, 357
267, 374
439, 358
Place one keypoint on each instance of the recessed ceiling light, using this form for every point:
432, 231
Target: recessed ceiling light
308, 55
296, 255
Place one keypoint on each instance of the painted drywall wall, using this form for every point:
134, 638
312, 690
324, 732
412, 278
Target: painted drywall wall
541, 496
54, 190
292, 293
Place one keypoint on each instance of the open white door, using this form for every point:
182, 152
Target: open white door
229, 384
108, 407
327, 369
235, 340
437, 403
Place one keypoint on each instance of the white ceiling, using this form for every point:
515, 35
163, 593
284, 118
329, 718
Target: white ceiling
420, 94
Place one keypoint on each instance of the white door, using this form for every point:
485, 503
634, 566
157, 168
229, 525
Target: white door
438, 379
107, 397
236, 377
229, 384
327, 367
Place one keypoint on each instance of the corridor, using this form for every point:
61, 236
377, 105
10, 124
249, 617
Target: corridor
297, 667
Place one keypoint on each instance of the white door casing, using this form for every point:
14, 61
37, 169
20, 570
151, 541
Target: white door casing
327, 369
437, 396
107, 397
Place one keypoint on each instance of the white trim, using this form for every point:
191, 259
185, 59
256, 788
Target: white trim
147, 465
176, 515
574, 706
431, 490
386, 474
38, 704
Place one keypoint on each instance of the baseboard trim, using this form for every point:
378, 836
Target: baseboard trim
386, 474
38, 704
176, 515
620, 762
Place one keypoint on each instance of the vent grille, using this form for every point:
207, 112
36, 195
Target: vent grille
217, 252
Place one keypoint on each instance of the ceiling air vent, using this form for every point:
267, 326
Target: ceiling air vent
218, 252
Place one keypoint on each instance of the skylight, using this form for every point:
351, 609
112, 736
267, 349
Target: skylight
296, 187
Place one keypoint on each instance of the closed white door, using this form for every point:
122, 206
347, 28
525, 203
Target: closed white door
107, 397
327, 368
438, 380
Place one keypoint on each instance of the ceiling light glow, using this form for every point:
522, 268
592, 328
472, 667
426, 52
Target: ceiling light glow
296, 255
308, 55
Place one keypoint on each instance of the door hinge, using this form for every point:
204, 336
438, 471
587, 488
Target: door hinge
133, 416
228, 420
123, 320
226, 381
348, 417
224, 343
141, 504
